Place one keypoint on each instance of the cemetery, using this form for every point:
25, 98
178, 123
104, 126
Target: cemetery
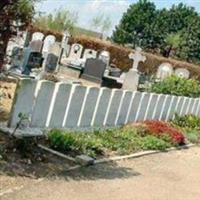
88, 92
68, 101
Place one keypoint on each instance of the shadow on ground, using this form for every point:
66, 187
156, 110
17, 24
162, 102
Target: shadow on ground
36, 163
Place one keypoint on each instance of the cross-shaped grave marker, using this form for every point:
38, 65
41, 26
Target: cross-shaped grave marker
137, 57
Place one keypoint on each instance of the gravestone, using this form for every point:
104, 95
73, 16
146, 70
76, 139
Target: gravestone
89, 53
182, 73
51, 62
37, 36
105, 57
48, 41
76, 51
36, 45
164, 70
31, 60
94, 70
132, 77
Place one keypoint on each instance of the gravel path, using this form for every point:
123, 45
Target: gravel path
164, 176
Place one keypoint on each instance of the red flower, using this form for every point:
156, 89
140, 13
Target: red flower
159, 128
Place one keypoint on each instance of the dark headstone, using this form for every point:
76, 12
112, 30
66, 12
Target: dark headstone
51, 62
94, 70
31, 60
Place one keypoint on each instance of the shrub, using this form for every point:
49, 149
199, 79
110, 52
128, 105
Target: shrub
75, 141
189, 121
163, 130
151, 142
174, 85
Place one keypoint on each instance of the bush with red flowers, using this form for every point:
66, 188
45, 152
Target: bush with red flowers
160, 129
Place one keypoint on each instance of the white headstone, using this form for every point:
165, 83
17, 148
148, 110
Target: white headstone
137, 57
131, 79
89, 53
182, 72
37, 36
105, 57
76, 51
164, 70
48, 41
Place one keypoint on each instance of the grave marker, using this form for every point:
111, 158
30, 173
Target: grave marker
94, 70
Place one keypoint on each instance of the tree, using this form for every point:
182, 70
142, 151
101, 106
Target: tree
137, 25
60, 21
14, 15
164, 31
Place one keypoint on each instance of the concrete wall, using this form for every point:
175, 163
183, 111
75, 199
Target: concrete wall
61, 105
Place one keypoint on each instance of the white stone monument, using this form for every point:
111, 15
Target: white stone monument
132, 77
164, 70
182, 73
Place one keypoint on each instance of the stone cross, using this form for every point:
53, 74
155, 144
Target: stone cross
137, 57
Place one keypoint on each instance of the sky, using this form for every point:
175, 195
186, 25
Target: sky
88, 9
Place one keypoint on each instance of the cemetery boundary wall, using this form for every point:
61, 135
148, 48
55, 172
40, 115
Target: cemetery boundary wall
60, 105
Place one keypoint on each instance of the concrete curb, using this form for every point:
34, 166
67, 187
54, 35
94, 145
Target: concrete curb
116, 158
57, 153
143, 153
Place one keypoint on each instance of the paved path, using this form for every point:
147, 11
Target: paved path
164, 176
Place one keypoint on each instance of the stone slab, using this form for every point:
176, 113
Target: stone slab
131, 80
42, 104
89, 107
23, 100
166, 108
134, 107
159, 106
124, 108
75, 106
152, 106
143, 107
114, 108
60, 105
179, 106
102, 107
171, 112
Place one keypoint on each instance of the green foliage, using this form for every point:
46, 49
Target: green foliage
75, 141
193, 136
190, 124
153, 143
177, 29
177, 86
60, 21
121, 140
187, 121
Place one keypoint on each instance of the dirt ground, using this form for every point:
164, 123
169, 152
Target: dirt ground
164, 176
7, 91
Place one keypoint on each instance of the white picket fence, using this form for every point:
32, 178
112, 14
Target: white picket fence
61, 105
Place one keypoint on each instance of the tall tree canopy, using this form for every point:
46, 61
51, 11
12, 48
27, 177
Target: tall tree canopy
14, 14
171, 32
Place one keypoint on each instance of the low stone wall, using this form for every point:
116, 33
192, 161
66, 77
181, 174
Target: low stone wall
61, 105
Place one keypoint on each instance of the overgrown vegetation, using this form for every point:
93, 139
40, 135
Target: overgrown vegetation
174, 85
125, 140
190, 125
